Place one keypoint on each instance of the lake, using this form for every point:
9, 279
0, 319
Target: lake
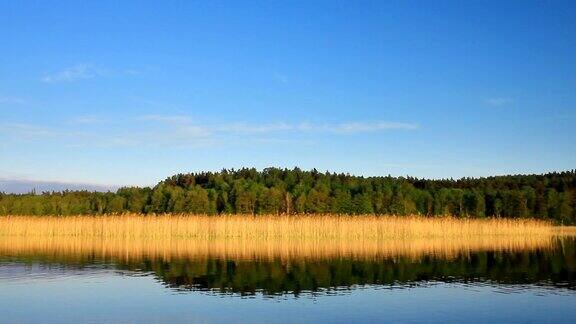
509, 283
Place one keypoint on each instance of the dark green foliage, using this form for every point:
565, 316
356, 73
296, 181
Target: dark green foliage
274, 191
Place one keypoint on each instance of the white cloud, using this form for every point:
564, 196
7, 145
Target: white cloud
148, 102
132, 72
88, 119
255, 128
182, 131
363, 127
11, 100
120, 141
74, 73
180, 119
356, 127
339, 128
26, 131
31, 132
279, 77
499, 102
193, 131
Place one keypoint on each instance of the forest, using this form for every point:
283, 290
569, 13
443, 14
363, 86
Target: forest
550, 196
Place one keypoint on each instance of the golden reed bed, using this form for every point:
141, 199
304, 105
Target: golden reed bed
266, 237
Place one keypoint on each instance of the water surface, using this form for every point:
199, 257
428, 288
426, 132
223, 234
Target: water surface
509, 282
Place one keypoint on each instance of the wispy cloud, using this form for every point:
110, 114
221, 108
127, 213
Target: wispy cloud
32, 132
363, 127
183, 131
74, 73
180, 119
191, 131
26, 131
11, 100
307, 127
87, 119
132, 71
276, 127
240, 127
499, 102
279, 77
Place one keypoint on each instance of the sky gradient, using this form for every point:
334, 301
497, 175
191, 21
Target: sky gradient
129, 93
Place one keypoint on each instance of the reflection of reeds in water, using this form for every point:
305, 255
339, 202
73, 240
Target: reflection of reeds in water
248, 237
166, 249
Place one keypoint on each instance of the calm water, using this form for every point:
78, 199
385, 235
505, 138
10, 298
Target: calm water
536, 285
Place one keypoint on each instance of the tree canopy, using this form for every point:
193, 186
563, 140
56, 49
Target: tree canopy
294, 191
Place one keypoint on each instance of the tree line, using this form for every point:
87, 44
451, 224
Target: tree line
294, 191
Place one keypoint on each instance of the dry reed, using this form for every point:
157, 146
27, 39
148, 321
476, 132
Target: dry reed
267, 227
267, 237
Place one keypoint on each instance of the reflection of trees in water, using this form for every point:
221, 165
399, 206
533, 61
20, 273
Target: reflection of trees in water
555, 268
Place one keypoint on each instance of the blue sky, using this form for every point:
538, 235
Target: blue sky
129, 93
